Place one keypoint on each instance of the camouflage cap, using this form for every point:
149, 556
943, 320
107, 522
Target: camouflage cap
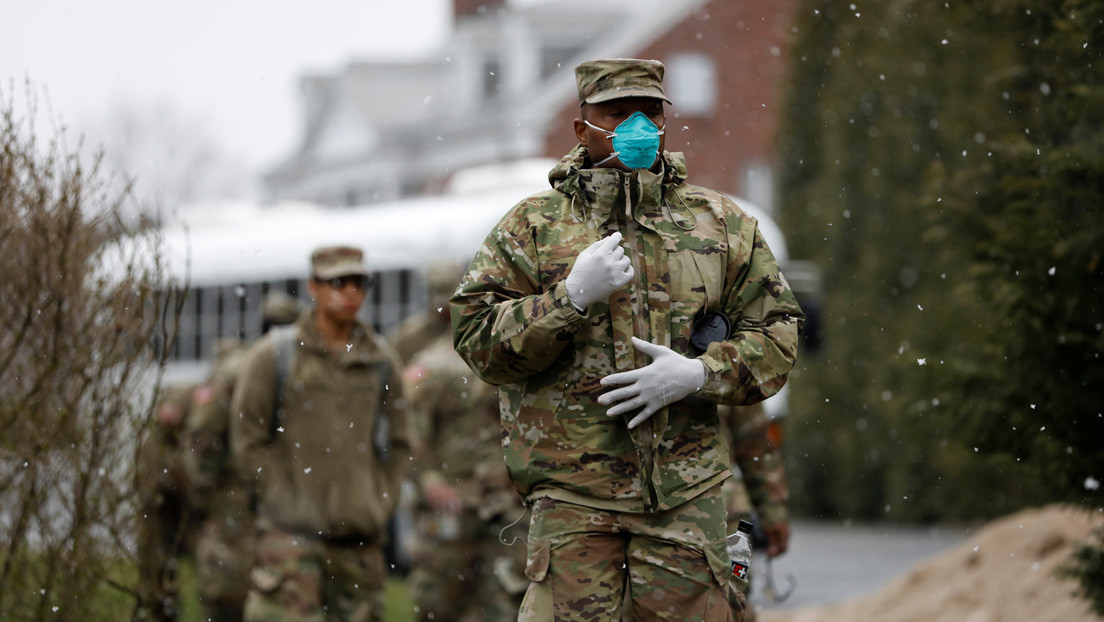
442, 278
279, 308
615, 78
333, 261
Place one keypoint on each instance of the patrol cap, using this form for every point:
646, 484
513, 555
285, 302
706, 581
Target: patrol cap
331, 262
279, 308
442, 278
616, 78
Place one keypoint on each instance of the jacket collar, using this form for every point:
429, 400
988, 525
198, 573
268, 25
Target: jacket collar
595, 191
364, 347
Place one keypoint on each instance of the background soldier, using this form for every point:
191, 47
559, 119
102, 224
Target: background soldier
325, 445
411, 336
225, 547
760, 493
168, 525
417, 332
462, 570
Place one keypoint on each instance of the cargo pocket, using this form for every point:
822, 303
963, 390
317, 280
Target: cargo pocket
263, 601
266, 579
537, 604
732, 586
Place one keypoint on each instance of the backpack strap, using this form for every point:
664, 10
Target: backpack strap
283, 340
381, 432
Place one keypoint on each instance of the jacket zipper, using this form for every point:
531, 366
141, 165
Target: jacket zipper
644, 432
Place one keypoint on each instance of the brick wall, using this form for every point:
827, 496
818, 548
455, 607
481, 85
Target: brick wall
464, 8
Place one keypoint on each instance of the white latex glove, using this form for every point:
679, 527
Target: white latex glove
667, 379
599, 271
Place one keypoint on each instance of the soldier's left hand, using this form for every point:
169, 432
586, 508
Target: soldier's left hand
669, 378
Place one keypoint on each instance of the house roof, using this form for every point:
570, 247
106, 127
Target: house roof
420, 115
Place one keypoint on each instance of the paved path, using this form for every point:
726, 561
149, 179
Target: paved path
836, 561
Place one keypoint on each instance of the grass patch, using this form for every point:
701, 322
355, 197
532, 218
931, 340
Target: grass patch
400, 607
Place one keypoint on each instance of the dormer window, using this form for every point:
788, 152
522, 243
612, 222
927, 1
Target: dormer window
691, 83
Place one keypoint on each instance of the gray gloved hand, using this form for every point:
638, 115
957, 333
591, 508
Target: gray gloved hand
667, 379
599, 271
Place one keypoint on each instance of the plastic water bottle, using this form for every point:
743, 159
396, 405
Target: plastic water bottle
739, 550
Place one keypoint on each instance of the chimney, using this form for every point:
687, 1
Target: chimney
470, 8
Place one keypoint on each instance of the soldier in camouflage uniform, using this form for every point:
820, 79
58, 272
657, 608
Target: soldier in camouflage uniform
761, 491
762, 487
467, 509
224, 550
411, 336
417, 332
621, 459
169, 522
322, 438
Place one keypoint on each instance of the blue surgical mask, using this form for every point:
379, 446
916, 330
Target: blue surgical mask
635, 141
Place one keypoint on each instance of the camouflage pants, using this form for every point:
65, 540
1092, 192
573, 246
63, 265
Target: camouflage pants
224, 558
585, 563
306, 579
468, 576
163, 537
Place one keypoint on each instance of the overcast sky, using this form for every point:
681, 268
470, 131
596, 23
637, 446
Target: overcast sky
234, 63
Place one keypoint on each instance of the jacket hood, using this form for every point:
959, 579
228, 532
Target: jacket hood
565, 175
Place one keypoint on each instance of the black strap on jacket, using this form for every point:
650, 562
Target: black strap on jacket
283, 340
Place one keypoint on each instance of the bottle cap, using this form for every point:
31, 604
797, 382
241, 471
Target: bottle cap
745, 526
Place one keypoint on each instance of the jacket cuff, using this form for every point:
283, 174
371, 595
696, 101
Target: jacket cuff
561, 300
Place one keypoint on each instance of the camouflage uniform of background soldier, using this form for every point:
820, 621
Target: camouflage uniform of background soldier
467, 510
600, 274
224, 551
410, 337
169, 522
760, 493
418, 331
325, 467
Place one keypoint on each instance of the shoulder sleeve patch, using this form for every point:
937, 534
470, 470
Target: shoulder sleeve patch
204, 394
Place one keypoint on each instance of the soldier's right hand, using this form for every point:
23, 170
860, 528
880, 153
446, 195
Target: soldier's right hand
599, 271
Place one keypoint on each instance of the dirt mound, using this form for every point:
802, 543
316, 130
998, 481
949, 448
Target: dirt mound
1005, 571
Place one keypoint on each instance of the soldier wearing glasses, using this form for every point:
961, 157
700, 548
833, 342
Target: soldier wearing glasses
320, 432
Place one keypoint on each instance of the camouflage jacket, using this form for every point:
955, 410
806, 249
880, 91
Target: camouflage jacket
216, 487
693, 250
455, 416
315, 468
163, 477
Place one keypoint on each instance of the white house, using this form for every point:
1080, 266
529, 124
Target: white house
378, 131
